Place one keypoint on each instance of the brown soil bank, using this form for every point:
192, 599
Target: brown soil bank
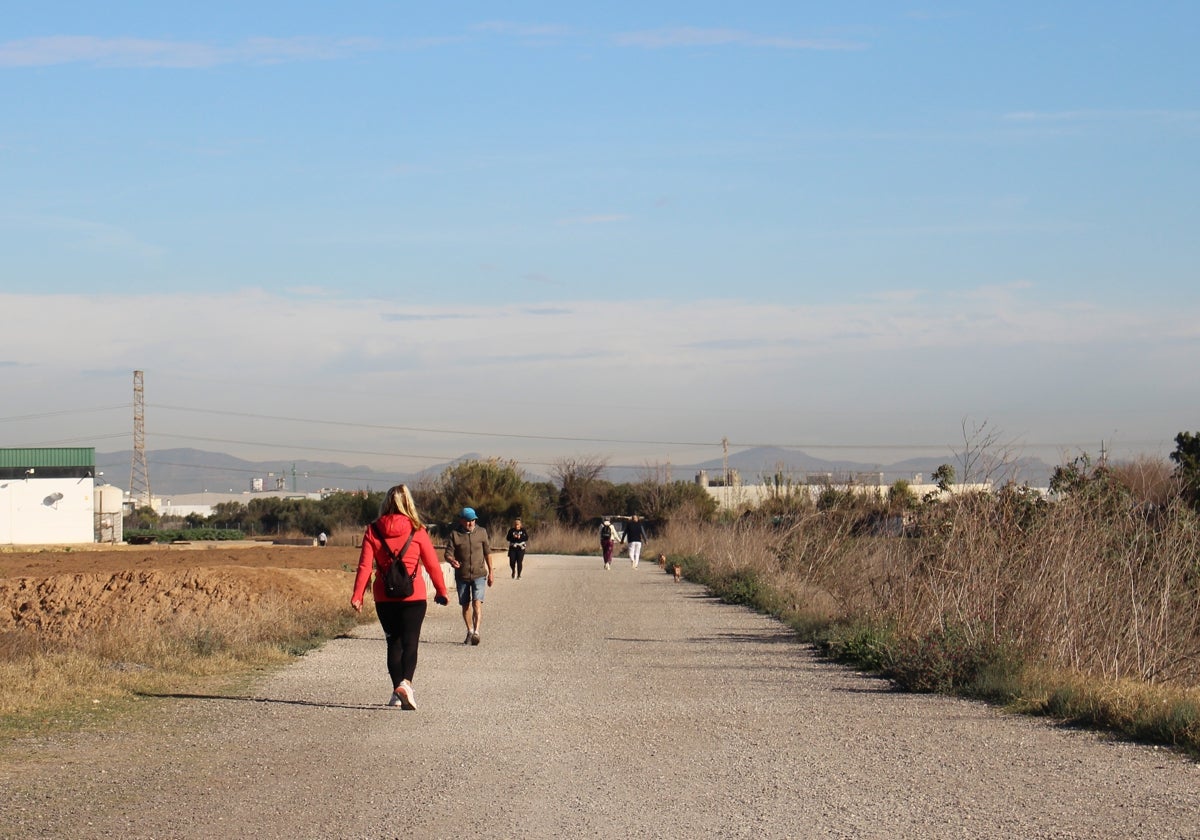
57, 591
51, 560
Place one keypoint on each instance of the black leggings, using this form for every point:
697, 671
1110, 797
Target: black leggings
401, 622
516, 559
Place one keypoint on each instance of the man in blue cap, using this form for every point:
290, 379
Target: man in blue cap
469, 553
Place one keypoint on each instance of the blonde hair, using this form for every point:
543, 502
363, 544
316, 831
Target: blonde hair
399, 500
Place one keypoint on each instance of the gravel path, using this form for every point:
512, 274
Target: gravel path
599, 705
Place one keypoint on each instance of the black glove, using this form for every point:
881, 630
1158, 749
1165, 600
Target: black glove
441, 599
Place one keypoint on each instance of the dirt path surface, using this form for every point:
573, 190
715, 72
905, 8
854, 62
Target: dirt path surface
599, 705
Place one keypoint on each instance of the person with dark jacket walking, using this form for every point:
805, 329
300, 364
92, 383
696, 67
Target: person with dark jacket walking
469, 553
401, 619
518, 539
635, 535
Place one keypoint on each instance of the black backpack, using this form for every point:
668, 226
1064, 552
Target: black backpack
397, 582
605, 532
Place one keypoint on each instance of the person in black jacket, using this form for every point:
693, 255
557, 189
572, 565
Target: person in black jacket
635, 535
517, 537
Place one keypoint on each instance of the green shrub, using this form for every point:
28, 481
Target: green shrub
862, 645
188, 535
743, 588
949, 660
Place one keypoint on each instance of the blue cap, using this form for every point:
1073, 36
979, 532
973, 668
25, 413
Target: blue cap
468, 514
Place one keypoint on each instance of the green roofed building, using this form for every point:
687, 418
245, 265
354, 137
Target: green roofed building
48, 496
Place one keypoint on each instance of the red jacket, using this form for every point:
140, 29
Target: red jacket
396, 527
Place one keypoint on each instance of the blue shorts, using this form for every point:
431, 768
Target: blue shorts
471, 590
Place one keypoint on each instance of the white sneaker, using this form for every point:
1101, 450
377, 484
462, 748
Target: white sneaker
394, 700
404, 694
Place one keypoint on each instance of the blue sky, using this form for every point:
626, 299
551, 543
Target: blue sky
381, 234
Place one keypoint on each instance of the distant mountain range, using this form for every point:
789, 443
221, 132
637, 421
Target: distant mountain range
754, 464
183, 471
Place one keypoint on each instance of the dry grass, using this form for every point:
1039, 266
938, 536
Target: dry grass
1085, 609
556, 538
53, 673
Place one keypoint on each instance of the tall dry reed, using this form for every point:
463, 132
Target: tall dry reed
1087, 585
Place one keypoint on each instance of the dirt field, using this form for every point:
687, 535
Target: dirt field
57, 590
107, 559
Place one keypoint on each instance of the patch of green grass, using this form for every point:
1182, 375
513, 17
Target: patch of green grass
949, 660
864, 646
743, 588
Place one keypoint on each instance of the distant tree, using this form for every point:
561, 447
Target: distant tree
943, 478
1093, 485
543, 497
495, 488
143, 517
349, 511
1187, 466
228, 515
268, 513
580, 488
1072, 477
900, 496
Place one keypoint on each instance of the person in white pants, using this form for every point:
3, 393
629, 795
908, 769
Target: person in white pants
635, 535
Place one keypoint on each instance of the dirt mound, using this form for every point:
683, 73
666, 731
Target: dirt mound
63, 604
59, 592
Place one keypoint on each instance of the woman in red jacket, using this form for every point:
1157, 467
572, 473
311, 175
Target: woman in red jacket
401, 619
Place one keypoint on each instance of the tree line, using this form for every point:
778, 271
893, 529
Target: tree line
577, 494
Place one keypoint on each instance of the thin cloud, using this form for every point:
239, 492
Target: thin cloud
524, 30
547, 310
312, 291
141, 52
422, 317
696, 37
1102, 115
731, 344
598, 219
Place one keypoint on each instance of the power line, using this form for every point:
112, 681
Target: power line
311, 448
257, 471
428, 430
913, 447
632, 441
63, 413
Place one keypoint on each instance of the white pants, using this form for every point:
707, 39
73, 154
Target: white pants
635, 552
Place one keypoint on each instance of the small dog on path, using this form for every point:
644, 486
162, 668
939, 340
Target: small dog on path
678, 573
662, 560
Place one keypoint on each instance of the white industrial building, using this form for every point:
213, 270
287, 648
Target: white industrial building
733, 495
49, 497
